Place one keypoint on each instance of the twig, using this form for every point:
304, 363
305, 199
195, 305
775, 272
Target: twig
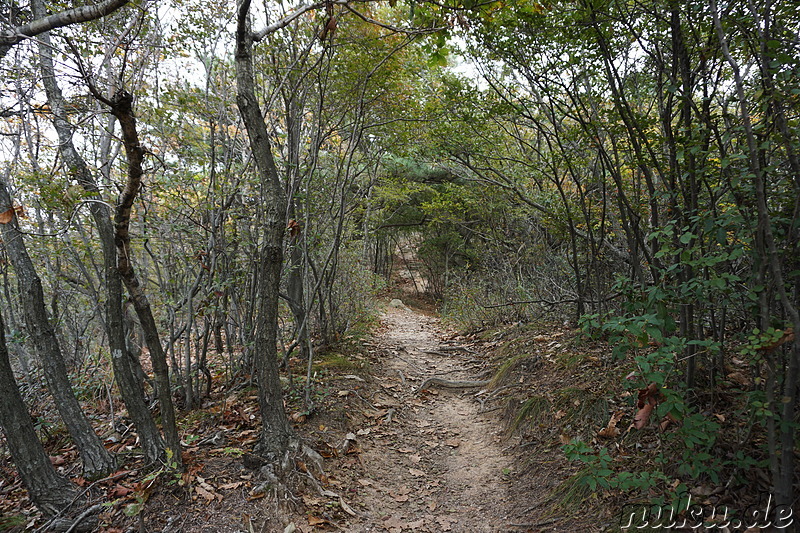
83, 515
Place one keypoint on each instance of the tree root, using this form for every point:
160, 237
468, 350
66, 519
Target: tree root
451, 384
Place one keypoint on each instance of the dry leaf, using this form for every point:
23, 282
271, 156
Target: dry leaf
416, 472
208, 496
316, 521
119, 491
611, 430
648, 399
8, 215
453, 443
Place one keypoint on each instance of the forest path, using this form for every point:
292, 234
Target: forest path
431, 461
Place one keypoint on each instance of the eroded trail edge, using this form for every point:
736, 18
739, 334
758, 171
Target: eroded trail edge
432, 461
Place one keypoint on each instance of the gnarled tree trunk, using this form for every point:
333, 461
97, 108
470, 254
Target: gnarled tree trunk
129, 385
276, 432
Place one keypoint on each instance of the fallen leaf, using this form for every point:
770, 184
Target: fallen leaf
119, 491
611, 430
233, 485
648, 399
445, 523
416, 472
207, 495
453, 443
739, 378
400, 498
316, 521
416, 525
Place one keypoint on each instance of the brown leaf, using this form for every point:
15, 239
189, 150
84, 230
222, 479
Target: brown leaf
611, 430
119, 491
416, 472
739, 378
648, 399
316, 521
207, 495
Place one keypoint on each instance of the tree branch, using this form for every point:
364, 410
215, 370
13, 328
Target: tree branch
75, 15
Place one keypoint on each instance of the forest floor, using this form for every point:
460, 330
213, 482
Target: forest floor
396, 457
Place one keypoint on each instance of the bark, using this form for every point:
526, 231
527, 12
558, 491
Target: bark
122, 108
50, 492
276, 432
97, 462
124, 372
67, 17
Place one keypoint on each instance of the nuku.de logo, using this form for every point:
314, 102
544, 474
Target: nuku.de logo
686, 515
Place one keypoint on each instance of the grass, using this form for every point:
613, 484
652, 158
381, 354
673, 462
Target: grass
534, 409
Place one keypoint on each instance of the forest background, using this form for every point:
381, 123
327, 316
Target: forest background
181, 178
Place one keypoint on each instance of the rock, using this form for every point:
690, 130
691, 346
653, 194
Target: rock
397, 303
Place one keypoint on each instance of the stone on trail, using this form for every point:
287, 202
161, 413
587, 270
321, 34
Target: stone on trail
397, 302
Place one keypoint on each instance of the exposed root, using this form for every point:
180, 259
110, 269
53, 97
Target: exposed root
448, 384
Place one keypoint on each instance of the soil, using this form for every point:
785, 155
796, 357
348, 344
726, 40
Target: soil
396, 459
440, 464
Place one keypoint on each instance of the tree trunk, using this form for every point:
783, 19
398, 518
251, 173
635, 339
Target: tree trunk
276, 431
97, 462
122, 108
50, 492
130, 386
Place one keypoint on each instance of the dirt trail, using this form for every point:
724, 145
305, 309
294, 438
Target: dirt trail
432, 461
